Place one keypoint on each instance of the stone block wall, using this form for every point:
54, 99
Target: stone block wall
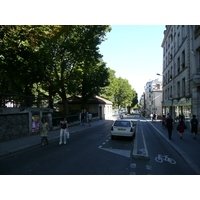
13, 126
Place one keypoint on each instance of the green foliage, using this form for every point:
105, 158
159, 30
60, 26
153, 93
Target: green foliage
52, 60
119, 91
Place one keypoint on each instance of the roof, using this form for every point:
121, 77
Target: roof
94, 100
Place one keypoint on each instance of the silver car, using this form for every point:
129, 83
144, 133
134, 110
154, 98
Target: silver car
122, 127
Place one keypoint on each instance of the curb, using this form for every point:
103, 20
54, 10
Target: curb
135, 146
187, 159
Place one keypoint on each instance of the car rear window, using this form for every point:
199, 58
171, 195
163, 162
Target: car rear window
122, 123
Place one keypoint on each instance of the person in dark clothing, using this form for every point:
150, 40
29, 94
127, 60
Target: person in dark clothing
169, 125
83, 118
163, 121
194, 125
181, 126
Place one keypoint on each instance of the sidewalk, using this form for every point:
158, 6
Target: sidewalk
13, 146
187, 147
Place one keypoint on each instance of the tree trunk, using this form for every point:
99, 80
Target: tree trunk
65, 105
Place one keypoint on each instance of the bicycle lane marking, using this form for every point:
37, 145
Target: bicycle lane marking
187, 159
161, 158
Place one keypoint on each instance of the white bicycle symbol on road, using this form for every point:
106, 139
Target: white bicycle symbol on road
161, 158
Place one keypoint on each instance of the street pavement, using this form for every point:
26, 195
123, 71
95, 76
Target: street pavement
188, 148
20, 144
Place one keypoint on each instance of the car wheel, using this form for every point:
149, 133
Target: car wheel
112, 137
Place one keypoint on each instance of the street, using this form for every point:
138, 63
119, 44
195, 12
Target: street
92, 152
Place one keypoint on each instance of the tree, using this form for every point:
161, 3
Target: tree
134, 101
72, 57
18, 57
109, 91
124, 93
52, 60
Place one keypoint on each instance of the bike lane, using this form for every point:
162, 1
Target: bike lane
164, 160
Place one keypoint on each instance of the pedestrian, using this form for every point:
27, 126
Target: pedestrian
163, 121
194, 125
169, 125
89, 118
83, 118
44, 129
154, 116
121, 116
181, 126
63, 130
151, 115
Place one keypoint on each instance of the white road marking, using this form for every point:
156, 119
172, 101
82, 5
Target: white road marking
149, 167
126, 153
133, 165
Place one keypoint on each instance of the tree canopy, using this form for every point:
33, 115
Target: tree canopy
52, 60
119, 91
58, 61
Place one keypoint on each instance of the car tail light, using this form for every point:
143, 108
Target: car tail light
131, 129
112, 128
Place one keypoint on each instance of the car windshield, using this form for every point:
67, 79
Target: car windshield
122, 123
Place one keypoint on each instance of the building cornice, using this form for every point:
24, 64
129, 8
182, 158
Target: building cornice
166, 32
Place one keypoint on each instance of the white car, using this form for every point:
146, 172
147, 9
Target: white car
122, 127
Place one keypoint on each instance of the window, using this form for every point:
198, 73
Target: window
175, 72
174, 47
178, 40
170, 92
178, 89
198, 57
183, 87
178, 65
174, 88
183, 32
183, 60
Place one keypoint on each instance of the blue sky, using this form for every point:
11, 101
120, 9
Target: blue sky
134, 52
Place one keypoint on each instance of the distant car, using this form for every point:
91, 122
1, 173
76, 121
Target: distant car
122, 127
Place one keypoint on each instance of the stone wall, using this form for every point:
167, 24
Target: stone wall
17, 123
13, 126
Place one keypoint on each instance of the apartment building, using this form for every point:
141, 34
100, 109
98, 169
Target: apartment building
153, 97
181, 71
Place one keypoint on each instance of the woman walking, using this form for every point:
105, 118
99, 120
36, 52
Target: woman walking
44, 129
194, 125
181, 126
163, 121
63, 130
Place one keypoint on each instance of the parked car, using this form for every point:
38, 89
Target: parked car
123, 127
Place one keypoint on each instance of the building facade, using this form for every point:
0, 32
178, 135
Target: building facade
153, 97
181, 71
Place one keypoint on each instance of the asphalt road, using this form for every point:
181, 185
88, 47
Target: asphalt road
92, 152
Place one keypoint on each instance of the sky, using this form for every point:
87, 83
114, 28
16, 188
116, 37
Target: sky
135, 53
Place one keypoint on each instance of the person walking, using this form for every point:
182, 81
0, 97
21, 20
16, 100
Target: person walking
154, 117
89, 118
169, 125
151, 115
44, 129
83, 118
63, 130
194, 125
163, 121
121, 116
181, 126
